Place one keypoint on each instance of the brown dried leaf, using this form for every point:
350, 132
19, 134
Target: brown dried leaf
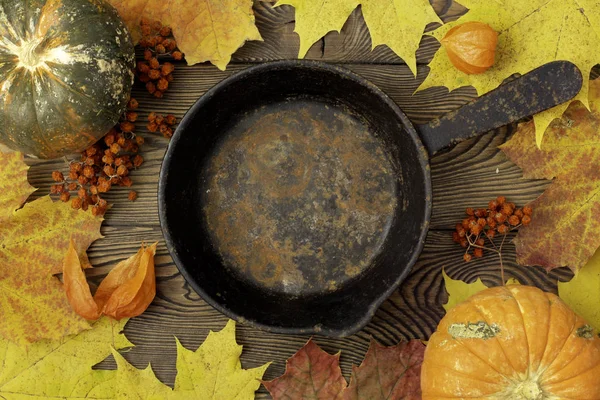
565, 225
311, 373
76, 286
390, 373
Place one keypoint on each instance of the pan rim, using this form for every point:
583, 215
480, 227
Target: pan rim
423, 160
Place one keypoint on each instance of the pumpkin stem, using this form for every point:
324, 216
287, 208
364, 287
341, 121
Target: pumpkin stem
29, 54
529, 390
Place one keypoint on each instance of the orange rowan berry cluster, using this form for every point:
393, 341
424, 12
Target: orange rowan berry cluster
162, 124
158, 43
499, 218
103, 165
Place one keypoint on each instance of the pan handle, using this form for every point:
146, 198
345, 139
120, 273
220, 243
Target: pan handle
544, 87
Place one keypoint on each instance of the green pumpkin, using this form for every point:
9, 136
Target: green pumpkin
66, 71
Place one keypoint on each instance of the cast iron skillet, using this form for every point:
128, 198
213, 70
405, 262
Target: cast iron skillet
295, 196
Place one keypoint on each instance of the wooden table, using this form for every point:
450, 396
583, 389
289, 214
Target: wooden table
469, 174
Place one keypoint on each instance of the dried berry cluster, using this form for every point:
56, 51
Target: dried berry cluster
499, 218
162, 124
158, 43
103, 165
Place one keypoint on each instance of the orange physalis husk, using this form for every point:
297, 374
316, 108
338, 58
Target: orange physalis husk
135, 295
76, 286
471, 47
124, 271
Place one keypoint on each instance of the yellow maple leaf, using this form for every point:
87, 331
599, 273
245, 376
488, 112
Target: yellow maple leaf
213, 372
133, 383
399, 24
531, 33
14, 188
459, 291
62, 368
34, 240
513, 281
582, 293
205, 30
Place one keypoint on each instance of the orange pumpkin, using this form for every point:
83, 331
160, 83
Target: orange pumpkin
515, 343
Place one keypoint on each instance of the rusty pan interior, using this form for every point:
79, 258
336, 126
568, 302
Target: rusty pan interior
295, 197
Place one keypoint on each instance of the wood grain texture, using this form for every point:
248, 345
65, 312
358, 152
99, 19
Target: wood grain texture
469, 174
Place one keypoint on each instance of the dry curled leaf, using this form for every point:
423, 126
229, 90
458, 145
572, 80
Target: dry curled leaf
121, 273
34, 240
126, 292
390, 373
565, 225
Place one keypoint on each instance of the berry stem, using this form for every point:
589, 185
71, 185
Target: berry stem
501, 263
473, 244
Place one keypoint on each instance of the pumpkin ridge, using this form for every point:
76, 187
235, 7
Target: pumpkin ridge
478, 309
572, 377
562, 347
89, 99
524, 330
440, 366
486, 362
4, 19
43, 133
548, 326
